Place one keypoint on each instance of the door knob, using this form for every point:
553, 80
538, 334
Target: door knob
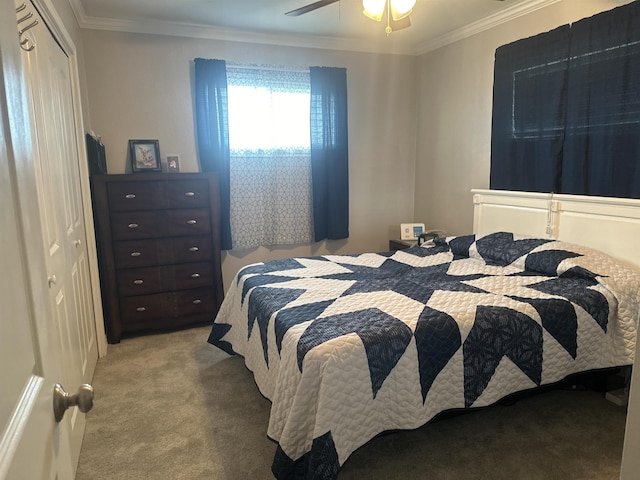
62, 400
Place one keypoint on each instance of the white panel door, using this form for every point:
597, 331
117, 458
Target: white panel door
30, 438
47, 332
49, 91
32, 445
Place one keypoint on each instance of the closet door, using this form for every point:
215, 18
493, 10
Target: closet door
32, 444
49, 87
47, 71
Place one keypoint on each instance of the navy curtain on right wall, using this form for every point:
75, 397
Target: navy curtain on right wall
567, 119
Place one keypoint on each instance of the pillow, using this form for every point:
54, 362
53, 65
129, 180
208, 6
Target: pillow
502, 248
459, 246
547, 261
505, 248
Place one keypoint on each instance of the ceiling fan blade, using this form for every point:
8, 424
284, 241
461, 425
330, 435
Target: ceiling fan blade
311, 7
400, 24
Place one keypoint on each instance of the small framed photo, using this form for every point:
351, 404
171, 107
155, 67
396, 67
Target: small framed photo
145, 155
173, 163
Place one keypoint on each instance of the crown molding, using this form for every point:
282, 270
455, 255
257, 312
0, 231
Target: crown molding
78, 11
208, 32
486, 23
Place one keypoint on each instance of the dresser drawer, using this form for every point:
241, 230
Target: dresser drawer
159, 223
187, 222
136, 195
146, 308
162, 251
142, 281
193, 302
187, 194
131, 195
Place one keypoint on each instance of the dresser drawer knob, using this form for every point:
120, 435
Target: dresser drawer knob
189, 194
130, 195
138, 282
195, 275
135, 254
194, 249
133, 225
197, 301
192, 222
141, 309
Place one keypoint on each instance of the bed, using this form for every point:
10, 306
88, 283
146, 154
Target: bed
349, 346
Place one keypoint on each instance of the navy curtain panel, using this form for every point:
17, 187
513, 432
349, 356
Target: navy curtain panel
212, 128
566, 115
329, 153
602, 141
529, 99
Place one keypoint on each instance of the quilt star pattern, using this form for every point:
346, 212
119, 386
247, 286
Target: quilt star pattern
349, 346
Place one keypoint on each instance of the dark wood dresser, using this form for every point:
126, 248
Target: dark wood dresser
159, 250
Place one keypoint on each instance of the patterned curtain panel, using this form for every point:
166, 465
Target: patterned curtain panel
270, 162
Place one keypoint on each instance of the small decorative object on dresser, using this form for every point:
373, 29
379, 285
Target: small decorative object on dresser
159, 250
173, 163
145, 155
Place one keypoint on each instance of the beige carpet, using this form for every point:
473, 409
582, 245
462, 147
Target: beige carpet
171, 406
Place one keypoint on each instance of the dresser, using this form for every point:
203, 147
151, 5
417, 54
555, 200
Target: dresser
159, 250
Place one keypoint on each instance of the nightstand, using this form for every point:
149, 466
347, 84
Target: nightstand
397, 244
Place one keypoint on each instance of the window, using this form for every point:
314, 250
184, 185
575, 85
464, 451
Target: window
619, 105
270, 162
566, 114
279, 180
268, 110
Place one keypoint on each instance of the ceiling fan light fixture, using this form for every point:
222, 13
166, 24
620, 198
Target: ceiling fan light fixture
401, 8
374, 9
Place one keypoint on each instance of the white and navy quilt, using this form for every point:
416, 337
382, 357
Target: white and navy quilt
349, 346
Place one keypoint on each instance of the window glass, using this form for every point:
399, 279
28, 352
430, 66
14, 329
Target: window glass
268, 109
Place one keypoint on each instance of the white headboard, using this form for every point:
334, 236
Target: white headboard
611, 225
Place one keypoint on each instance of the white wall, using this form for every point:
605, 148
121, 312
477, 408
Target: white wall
455, 101
140, 86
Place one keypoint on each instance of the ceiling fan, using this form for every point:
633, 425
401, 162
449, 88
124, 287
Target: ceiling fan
310, 8
397, 11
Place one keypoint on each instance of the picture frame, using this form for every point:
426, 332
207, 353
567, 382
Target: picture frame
145, 155
173, 163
